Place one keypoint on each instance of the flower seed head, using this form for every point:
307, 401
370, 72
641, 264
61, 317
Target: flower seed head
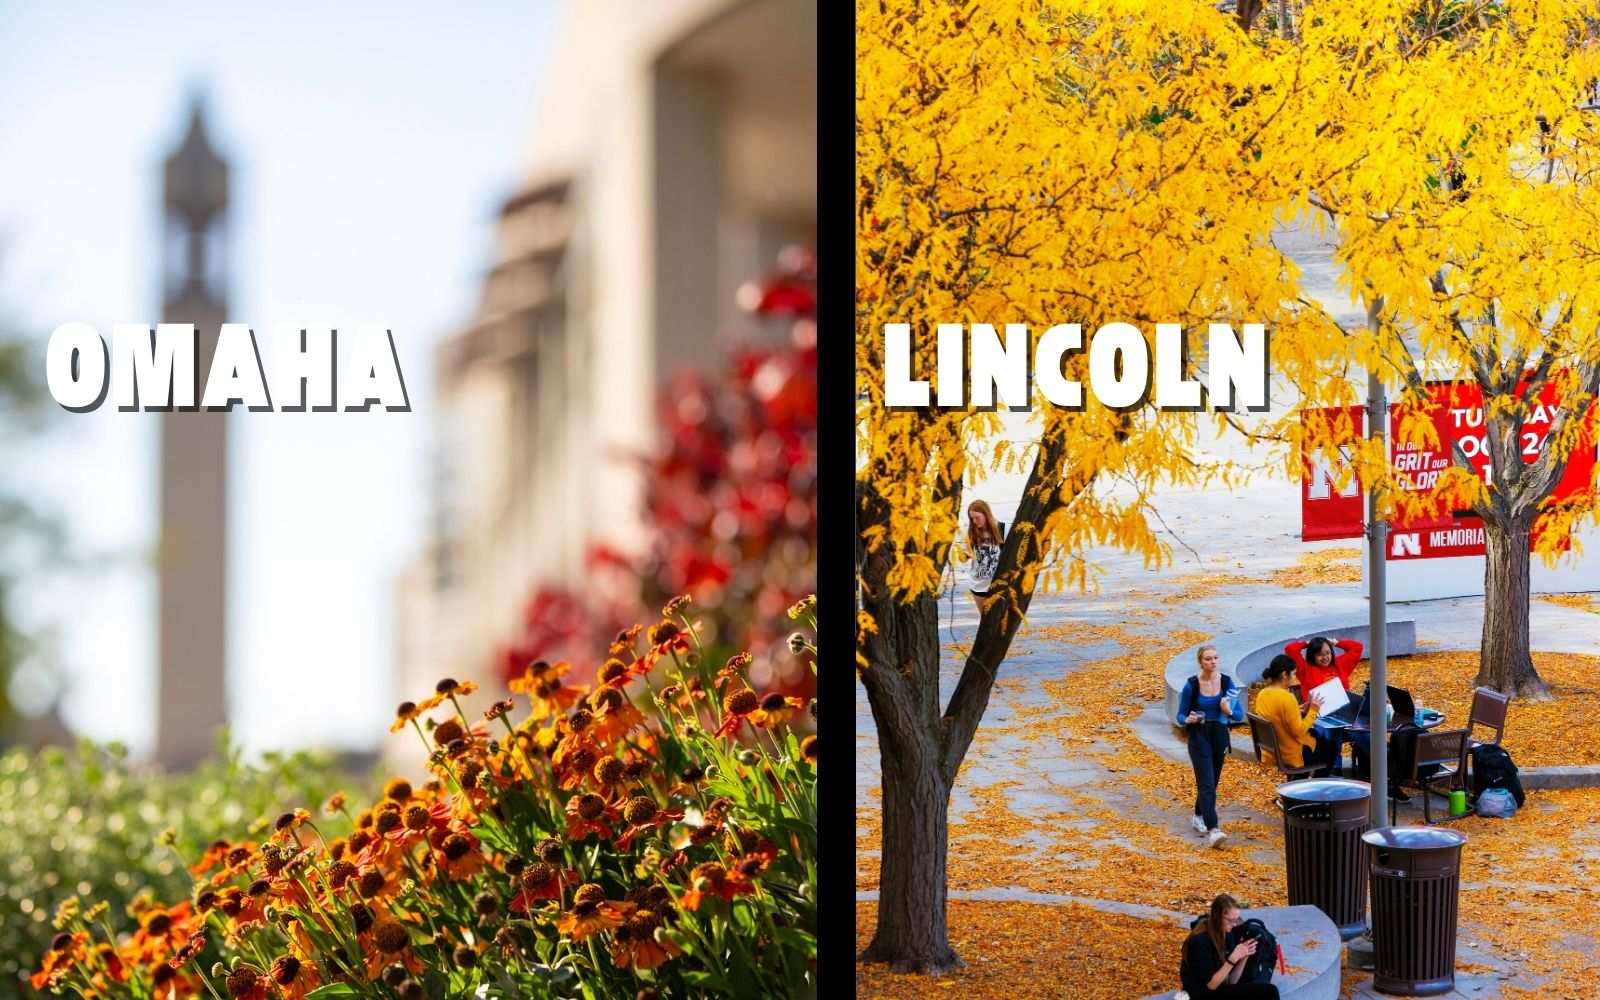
456, 847
773, 702
549, 849
611, 670
390, 937
361, 915
397, 790
464, 957
607, 699
608, 771
484, 904
580, 720
416, 818
581, 759
591, 806
515, 864
447, 732
808, 748
590, 893
797, 643
741, 702
639, 810
371, 883
285, 970
662, 632
339, 873
446, 686
386, 821
241, 981
395, 974
536, 875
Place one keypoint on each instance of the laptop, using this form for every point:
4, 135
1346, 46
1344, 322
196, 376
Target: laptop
1353, 712
1347, 713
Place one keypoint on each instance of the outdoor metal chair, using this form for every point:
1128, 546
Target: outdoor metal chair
1264, 737
1488, 711
1445, 749
1488, 717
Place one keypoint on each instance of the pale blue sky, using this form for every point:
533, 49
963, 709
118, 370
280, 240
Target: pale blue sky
371, 145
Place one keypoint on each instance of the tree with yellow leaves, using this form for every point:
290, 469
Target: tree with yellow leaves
1459, 160
1085, 162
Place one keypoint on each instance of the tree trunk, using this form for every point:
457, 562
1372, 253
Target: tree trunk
912, 933
1507, 664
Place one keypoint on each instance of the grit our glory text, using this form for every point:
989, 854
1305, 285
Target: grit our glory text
1122, 371
158, 370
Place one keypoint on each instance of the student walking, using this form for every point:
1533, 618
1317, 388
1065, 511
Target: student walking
1209, 701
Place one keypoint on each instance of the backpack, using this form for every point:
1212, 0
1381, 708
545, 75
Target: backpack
1257, 967
1492, 768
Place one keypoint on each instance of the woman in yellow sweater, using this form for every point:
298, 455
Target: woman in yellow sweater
1277, 704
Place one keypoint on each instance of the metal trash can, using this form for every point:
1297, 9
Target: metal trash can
1323, 820
1416, 877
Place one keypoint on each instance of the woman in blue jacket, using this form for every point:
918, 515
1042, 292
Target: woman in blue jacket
1209, 701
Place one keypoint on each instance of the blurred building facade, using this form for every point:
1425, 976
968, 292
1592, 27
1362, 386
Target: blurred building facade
673, 156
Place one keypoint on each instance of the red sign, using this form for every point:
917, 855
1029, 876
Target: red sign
1328, 512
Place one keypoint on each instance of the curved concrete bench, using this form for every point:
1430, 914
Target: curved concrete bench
1311, 950
1245, 655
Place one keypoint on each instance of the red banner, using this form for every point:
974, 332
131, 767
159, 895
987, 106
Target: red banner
1327, 512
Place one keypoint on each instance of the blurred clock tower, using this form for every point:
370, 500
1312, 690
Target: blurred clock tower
192, 550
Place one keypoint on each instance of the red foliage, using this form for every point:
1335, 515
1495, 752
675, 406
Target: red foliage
730, 498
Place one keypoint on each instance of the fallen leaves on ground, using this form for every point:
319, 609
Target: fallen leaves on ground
1529, 883
1564, 730
1027, 950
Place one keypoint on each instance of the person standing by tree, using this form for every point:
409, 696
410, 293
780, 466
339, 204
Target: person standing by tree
1208, 701
984, 535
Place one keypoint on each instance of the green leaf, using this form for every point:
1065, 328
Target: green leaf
333, 990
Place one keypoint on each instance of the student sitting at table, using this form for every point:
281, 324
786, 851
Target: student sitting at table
1276, 703
1318, 662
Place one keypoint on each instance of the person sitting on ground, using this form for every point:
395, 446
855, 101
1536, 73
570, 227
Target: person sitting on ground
1210, 968
1317, 662
1276, 704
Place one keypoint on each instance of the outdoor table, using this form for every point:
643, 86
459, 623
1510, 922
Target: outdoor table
1337, 734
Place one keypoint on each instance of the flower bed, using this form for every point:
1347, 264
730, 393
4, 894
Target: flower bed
589, 848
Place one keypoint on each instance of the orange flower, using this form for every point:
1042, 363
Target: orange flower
66, 951
215, 854
162, 931
590, 916
775, 710
614, 716
390, 944
539, 880
738, 704
458, 856
642, 814
589, 813
294, 977
245, 983
541, 682
634, 943
712, 879
625, 639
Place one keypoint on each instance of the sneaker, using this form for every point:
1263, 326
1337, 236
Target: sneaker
1199, 826
1215, 838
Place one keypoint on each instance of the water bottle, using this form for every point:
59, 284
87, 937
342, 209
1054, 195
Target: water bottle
1418, 717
